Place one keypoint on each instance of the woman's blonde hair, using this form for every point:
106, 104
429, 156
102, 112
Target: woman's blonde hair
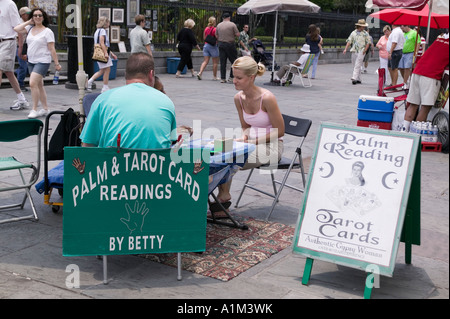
102, 21
189, 23
386, 27
249, 66
211, 21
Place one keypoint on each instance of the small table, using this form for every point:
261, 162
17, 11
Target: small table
221, 168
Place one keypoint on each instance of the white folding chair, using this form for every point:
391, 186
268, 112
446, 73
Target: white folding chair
13, 131
296, 127
302, 72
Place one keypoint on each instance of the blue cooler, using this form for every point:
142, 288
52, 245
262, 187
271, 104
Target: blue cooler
375, 108
172, 65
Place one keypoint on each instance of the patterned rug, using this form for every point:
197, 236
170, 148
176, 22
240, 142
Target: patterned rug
230, 251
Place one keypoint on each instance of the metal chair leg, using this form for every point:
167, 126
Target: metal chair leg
243, 188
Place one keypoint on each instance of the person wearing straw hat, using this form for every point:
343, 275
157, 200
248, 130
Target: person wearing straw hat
359, 41
300, 63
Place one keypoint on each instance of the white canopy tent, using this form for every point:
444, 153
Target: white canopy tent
266, 6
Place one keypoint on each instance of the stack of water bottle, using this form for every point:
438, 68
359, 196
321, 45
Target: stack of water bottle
426, 130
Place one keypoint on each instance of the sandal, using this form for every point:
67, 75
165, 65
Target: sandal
216, 207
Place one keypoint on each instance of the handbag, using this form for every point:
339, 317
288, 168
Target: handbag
25, 44
98, 55
210, 39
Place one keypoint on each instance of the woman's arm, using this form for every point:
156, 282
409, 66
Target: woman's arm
21, 27
51, 48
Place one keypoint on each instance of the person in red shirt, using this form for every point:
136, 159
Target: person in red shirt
426, 81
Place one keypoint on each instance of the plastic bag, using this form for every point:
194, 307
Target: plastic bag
397, 120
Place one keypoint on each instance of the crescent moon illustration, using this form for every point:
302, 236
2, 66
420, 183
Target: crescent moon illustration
383, 179
331, 170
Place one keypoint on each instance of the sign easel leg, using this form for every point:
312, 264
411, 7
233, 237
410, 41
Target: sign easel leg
179, 266
368, 286
307, 270
408, 237
105, 270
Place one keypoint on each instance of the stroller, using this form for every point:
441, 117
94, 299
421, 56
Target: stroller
260, 55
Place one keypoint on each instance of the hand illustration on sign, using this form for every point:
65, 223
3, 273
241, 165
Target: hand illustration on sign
135, 217
198, 166
77, 164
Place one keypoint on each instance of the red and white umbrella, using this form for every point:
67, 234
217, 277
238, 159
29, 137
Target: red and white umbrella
413, 18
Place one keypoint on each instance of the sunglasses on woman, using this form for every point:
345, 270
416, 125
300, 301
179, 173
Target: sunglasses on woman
37, 15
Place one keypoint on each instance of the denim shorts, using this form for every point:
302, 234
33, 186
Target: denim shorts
39, 68
210, 50
406, 61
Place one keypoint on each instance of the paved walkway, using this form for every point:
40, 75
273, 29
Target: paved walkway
31, 261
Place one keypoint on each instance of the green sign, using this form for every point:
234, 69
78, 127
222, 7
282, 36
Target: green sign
358, 195
133, 202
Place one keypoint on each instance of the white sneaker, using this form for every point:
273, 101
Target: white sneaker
105, 88
33, 114
19, 105
43, 112
89, 87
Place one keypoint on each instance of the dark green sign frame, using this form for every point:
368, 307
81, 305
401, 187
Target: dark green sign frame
338, 146
133, 202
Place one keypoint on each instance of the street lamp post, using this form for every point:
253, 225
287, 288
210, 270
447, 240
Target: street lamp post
81, 76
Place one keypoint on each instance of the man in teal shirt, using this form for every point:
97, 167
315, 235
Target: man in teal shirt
142, 115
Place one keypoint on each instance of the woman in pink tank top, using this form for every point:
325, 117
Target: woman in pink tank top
260, 117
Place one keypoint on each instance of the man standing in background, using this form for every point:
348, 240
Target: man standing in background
359, 42
409, 47
22, 70
226, 33
244, 42
139, 39
9, 18
394, 47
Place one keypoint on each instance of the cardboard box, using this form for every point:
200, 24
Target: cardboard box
222, 145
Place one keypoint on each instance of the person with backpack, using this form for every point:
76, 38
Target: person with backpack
210, 49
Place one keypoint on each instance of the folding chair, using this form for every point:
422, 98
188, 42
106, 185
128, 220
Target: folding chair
296, 127
88, 99
13, 131
303, 73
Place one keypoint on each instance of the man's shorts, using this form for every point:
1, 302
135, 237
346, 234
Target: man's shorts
395, 59
406, 61
7, 55
423, 90
210, 50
